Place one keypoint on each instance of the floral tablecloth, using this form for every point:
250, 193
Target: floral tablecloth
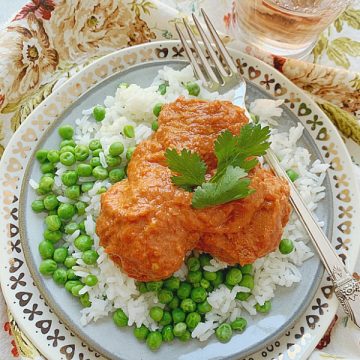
48, 40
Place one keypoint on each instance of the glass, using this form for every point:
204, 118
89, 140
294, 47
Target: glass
285, 27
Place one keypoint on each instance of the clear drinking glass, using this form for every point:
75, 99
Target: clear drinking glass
285, 27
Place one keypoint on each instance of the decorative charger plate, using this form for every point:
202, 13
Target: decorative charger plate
300, 315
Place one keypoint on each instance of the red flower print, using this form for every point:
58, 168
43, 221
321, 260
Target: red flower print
2, 99
14, 350
325, 341
41, 8
7, 328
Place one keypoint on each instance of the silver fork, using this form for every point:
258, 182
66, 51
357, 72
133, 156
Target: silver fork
222, 75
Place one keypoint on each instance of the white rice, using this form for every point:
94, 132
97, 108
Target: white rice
133, 105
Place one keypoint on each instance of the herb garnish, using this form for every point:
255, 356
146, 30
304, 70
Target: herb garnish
236, 155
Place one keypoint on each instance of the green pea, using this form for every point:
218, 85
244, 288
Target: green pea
116, 148
179, 329
100, 173
66, 132
75, 290
53, 236
239, 324
99, 113
166, 319
263, 308
95, 162
224, 333
205, 260
82, 226
167, 333
205, 284
116, 175
130, 152
185, 337
204, 307
199, 294
70, 262
156, 313
67, 158
165, 296
193, 264
293, 175
72, 192
174, 303
242, 296
193, 88
47, 167
188, 305
47, 267
120, 318
91, 280
123, 85
162, 89
192, 320
82, 152
45, 185
233, 277
154, 340
101, 190
67, 148
69, 178
41, 155
83, 243
90, 257
53, 222
113, 160
129, 131
210, 276
60, 254
219, 279
172, 283
85, 300
247, 281
155, 125
71, 274
178, 315
52, 175
51, 202
157, 108
85, 187
66, 211
96, 153
71, 283
80, 207
154, 285
53, 156
46, 249
286, 246
60, 276
84, 170
184, 290
95, 144
70, 228
194, 276
141, 332
37, 206
142, 287
247, 269
69, 142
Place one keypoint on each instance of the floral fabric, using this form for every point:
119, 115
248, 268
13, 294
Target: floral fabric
48, 40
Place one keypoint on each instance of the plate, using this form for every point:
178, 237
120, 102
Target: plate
49, 317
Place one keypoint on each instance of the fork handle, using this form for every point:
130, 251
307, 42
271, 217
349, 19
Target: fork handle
347, 288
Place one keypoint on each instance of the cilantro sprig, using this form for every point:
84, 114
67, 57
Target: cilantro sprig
236, 155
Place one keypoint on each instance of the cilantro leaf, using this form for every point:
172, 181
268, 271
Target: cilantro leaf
188, 165
238, 150
233, 185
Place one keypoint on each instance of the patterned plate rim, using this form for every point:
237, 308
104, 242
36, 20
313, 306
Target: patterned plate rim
299, 341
